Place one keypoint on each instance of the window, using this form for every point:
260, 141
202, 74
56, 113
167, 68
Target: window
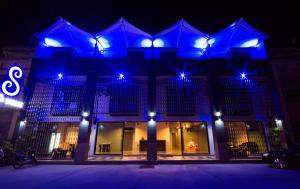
195, 139
109, 138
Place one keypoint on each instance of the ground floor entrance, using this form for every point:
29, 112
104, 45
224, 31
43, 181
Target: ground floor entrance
129, 139
175, 140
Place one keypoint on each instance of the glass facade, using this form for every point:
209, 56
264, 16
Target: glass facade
180, 138
129, 138
195, 138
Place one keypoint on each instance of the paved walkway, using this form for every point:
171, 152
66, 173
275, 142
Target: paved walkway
202, 176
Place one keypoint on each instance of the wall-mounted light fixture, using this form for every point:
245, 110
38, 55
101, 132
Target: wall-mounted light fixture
85, 114
218, 121
218, 114
23, 123
278, 123
151, 114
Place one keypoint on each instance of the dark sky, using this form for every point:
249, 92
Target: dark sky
21, 19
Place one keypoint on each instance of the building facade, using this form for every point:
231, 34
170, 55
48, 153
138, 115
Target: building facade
123, 94
11, 56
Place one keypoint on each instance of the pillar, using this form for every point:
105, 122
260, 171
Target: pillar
82, 149
151, 146
218, 124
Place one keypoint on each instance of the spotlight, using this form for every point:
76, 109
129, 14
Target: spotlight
121, 76
151, 114
151, 122
22, 123
243, 76
60, 76
182, 75
85, 114
218, 114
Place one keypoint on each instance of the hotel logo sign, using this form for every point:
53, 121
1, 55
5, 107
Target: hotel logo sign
11, 88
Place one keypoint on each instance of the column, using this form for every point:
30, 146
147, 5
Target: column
151, 146
85, 125
218, 124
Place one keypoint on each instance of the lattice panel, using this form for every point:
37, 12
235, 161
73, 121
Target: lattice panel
180, 97
66, 100
236, 97
117, 98
56, 100
123, 97
245, 139
45, 137
200, 98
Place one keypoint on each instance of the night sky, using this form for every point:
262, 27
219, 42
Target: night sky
280, 20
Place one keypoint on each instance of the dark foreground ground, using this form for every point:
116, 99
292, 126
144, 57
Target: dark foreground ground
202, 176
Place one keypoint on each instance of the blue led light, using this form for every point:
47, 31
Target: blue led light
60, 76
104, 43
201, 43
52, 42
211, 41
121, 76
146, 43
243, 76
158, 43
250, 43
182, 75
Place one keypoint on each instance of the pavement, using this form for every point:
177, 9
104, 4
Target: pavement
188, 176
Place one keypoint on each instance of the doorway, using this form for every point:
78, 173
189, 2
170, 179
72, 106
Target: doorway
128, 140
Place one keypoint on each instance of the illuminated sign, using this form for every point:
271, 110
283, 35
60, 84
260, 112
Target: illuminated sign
11, 88
14, 72
11, 102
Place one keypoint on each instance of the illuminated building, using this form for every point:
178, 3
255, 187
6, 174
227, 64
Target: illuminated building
180, 94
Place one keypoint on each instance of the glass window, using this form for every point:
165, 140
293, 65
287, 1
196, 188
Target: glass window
109, 138
168, 138
195, 139
135, 138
